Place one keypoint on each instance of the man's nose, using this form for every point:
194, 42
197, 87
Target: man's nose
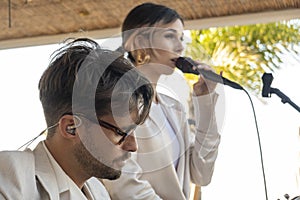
130, 143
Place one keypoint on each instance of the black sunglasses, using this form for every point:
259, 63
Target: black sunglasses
111, 127
116, 130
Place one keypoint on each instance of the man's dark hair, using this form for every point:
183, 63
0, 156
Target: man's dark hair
84, 77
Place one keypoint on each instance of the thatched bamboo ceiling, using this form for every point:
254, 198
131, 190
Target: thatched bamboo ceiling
31, 22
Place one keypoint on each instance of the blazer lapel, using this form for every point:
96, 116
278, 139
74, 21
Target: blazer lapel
44, 172
177, 118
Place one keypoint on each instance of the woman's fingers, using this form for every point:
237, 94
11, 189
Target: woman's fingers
204, 86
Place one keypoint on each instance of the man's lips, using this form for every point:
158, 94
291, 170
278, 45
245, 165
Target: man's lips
123, 158
120, 162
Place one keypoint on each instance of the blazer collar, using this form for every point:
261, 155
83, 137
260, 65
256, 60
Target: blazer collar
45, 172
168, 101
176, 116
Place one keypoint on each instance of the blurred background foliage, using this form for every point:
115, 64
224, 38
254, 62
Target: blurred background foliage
244, 53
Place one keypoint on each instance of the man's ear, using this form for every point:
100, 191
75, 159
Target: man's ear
67, 126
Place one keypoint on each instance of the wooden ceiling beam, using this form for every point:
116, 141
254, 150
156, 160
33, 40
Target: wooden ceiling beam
244, 19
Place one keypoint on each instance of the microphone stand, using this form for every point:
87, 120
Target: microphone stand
284, 98
267, 90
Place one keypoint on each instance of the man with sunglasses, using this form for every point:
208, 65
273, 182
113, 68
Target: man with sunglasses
92, 100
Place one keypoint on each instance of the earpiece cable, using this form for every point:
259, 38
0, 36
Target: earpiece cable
32, 140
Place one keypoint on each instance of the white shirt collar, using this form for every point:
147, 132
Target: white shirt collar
67, 188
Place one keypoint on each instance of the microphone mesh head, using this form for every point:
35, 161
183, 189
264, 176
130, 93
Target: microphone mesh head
186, 65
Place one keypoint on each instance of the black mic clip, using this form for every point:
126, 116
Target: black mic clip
267, 79
267, 90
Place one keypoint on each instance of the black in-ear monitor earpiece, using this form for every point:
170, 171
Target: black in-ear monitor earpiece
71, 129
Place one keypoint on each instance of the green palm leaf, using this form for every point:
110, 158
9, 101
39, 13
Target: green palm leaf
244, 53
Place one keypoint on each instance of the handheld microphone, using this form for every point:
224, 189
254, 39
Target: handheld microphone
187, 65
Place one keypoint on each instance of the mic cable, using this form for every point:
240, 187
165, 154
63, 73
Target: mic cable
187, 65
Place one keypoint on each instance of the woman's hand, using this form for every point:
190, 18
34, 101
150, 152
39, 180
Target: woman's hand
204, 86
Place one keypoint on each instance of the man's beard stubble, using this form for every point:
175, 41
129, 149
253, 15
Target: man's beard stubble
92, 166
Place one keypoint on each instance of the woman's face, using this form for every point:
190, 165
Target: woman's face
166, 43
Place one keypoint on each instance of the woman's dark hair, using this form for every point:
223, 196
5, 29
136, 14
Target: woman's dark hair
146, 15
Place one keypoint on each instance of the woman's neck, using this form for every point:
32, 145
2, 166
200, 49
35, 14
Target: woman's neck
150, 72
155, 98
